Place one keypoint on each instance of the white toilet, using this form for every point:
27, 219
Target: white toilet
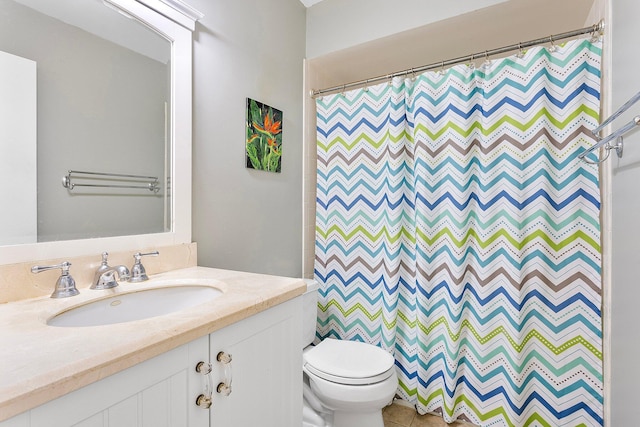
346, 383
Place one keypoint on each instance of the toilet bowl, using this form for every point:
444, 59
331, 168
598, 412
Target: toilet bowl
347, 383
353, 380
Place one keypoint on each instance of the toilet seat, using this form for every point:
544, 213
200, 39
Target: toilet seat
347, 380
349, 362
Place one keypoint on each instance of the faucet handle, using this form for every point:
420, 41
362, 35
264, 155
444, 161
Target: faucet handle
100, 281
105, 255
138, 273
65, 285
104, 265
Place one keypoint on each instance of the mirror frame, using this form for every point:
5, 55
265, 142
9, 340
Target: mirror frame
175, 21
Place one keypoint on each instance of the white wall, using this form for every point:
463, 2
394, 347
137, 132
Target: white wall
338, 24
246, 219
625, 292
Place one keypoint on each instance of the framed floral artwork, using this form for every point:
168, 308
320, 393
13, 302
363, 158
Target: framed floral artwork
264, 137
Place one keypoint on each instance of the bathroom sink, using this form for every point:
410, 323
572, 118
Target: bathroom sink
131, 306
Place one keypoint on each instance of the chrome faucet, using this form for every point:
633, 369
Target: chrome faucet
138, 272
107, 278
104, 277
65, 286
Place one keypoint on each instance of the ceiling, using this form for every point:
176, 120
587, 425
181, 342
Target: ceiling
95, 18
309, 3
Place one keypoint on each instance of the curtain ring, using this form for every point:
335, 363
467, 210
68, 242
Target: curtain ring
553, 47
442, 72
366, 85
472, 64
487, 61
520, 54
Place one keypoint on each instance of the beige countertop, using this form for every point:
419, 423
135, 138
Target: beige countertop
39, 363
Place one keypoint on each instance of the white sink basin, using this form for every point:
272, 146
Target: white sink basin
135, 306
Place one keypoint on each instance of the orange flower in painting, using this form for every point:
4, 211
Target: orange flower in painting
269, 127
273, 144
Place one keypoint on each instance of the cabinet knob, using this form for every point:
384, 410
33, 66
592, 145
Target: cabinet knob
224, 389
203, 368
203, 401
223, 357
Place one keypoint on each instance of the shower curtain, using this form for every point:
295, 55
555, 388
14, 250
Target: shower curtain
457, 229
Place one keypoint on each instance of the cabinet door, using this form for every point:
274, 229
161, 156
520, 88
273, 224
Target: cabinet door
160, 392
266, 370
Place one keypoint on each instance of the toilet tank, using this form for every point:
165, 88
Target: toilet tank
309, 312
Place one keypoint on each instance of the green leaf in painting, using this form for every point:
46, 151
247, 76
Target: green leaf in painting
253, 156
256, 114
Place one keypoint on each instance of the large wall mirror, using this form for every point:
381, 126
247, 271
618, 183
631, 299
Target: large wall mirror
102, 89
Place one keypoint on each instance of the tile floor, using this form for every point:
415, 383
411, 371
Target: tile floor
403, 416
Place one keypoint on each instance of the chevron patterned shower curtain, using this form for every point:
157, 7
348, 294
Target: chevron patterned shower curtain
457, 228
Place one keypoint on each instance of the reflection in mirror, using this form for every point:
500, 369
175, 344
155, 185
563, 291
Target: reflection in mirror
102, 83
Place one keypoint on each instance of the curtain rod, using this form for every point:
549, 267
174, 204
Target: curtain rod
594, 29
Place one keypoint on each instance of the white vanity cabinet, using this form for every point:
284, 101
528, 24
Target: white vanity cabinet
265, 368
265, 372
155, 393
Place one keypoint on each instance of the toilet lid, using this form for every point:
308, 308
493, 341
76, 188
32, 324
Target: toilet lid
349, 362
